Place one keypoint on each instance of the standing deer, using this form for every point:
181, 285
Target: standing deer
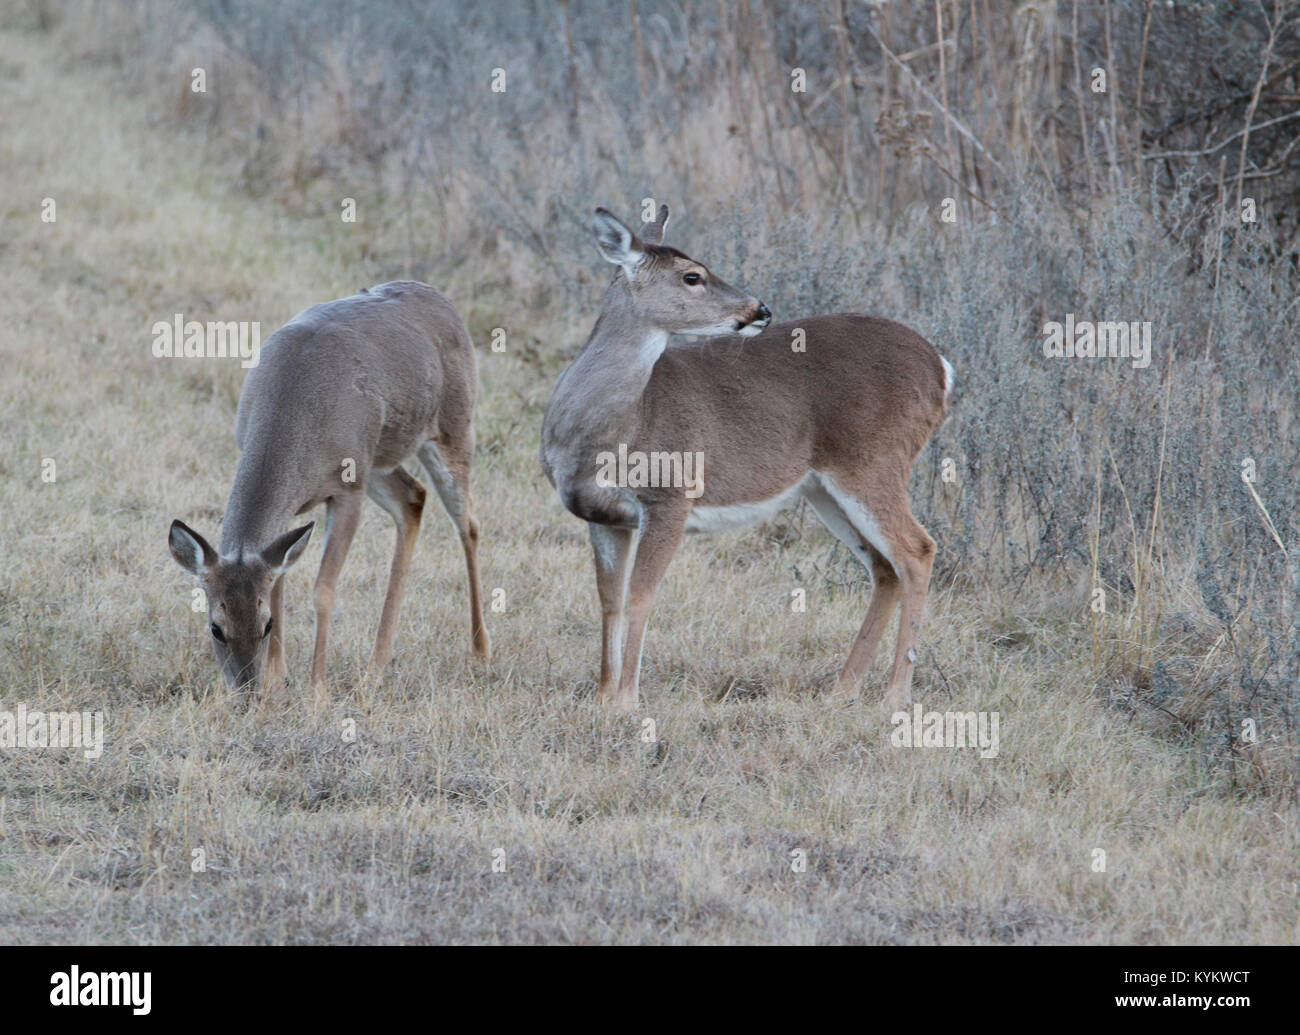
837, 423
343, 394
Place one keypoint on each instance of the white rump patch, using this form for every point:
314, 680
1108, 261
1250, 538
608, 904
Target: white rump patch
947, 377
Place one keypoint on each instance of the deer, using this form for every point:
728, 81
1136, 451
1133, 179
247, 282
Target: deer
343, 394
830, 409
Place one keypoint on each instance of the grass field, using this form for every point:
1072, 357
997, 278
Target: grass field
307, 833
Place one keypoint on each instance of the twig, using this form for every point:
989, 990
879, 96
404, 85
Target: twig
1224, 143
1078, 99
1259, 87
957, 124
1268, 521
966, 190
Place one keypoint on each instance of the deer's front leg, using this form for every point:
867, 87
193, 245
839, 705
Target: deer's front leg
615, 550
661, 535
342, 515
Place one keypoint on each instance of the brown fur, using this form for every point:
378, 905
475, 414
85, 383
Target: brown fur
839, 423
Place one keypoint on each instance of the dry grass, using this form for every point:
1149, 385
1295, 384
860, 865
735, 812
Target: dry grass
606, 838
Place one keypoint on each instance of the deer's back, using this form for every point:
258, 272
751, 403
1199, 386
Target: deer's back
369, 377
862, 388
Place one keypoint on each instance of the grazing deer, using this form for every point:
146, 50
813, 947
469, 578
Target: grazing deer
343, 394
837, 422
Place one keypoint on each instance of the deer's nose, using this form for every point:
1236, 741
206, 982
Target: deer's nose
764, 314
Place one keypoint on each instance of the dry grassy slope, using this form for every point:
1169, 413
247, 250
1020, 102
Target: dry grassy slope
390, 838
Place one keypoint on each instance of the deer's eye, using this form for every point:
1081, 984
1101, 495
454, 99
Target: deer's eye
217, 634
692, 278
267, 631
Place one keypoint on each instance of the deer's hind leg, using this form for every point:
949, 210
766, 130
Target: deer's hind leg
403, 497
912, 557
899, 552
448, 465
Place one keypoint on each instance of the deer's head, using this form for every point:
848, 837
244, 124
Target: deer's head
238, 591
671, 291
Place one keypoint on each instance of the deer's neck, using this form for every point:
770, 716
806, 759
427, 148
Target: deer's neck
262, 501
596, 402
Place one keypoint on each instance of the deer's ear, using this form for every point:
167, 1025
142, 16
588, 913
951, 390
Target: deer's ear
281, 554
617, 243
190, 549
653, 232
